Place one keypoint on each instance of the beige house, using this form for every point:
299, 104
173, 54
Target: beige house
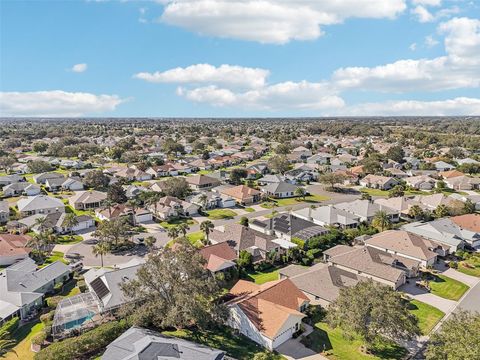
85, 200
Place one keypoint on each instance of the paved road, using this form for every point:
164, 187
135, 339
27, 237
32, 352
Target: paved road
471, 301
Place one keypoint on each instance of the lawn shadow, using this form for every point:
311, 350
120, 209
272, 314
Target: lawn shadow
318, 341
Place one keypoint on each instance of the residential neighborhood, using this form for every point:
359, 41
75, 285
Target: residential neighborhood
88, 249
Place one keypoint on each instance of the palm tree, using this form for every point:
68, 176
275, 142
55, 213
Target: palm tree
381, 220
415, 212
40, 222
203, 198
70, 221
133, 204
206, 226
173, 232
102, 248
6, 343
183, 228
301, 192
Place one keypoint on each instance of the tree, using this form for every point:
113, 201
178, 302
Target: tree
170, 146
415, 212
39, 166
457, 339
371, 165
245, 259
133, 204
237, 174
183, 228
301, 192
396, 153
244, 221
177, 187
381, 220
441, 211
206, 226
279, 163
265, 356
70, 221
116, 194
101, 248
40, 147
173, 232
113, 231
373, 311
96, 179
150, 242
283, 149
332, 179
173, 289
203, 199
6, 162
469, 207
396, 191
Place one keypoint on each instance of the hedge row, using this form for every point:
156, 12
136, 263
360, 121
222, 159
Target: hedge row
80, 347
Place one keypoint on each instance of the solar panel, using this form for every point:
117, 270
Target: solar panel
99, 288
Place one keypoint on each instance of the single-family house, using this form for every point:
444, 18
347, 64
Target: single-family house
211, 200
202, 182
23, 286
242, 194
218, 257
469, 225
21, 188
378, 182
86, 200
443, 231
43, 177
463, 183
366, 210
328, 216
10, 179
443, 166
378, 265
321, 283
142, 344
40, 204
279, 190
268, 314
421, 182
13, 248
122, 210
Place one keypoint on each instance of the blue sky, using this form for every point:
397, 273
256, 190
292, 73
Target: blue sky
239, 58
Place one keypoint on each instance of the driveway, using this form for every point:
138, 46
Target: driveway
293, 349
90, 260
464, 278
422, 295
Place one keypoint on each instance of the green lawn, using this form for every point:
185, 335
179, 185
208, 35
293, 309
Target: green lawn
219, 214
470, 266
237, 346
332, 344
447, 288
374, 192
259, 277
249, 209
54, 256
175, 222
23, 335
195, 237
292, 201
69, 239
428, 316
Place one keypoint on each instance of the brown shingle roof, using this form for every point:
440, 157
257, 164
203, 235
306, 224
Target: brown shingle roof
469, 222
11, 245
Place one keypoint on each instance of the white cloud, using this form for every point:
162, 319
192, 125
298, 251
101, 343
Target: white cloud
427, 2
286, 95
271, 21
79, 68
422, 14
457, 106
229, 75
413, 46
430, 41
55, 103
460, 68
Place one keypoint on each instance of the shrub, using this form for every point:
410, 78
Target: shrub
39, 338
300, 243
82, 286
46, 318
314, 253
53, 301
11, 325
84, 345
